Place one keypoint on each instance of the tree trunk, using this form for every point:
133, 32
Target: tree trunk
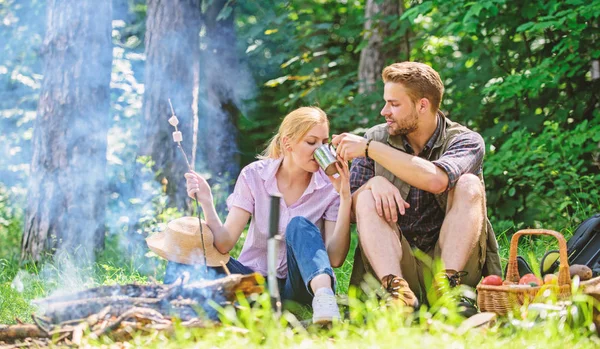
222, 82
172, 51
67, 188
376, 54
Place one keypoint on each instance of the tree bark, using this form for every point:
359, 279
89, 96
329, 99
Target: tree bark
172, 51
376, 54
222, 81
67, 189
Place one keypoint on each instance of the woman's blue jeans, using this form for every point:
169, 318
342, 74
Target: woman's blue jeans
306, 258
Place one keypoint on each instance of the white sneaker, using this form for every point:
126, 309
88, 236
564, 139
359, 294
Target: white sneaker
325, 309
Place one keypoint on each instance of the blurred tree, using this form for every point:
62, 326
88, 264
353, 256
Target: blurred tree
171, 72
380, 15
223, 84
67, 189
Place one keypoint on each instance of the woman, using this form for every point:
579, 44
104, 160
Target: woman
314, 213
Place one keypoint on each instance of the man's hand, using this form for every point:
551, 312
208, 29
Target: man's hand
349, 146
387, 198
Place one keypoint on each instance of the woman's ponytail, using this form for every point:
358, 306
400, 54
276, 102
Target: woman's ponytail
293, 127
273, 150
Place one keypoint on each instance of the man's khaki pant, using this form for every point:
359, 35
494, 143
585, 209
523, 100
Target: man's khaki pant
417, 266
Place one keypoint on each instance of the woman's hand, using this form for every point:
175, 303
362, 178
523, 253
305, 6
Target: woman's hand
198, 188
388, 200
342, 182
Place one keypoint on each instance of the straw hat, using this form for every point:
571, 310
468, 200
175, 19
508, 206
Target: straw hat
181, 243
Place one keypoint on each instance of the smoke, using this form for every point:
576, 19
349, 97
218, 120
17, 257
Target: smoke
134, 200
63, 276
21, 33
226, 91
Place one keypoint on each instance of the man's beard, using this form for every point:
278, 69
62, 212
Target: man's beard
407, 127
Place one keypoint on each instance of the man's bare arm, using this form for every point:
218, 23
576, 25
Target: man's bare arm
416, 171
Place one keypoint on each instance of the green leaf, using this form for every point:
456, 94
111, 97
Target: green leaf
225, 12
525, 27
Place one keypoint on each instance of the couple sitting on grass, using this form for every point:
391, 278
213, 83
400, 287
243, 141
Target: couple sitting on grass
415, 183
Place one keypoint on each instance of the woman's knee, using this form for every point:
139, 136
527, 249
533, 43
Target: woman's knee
299, 225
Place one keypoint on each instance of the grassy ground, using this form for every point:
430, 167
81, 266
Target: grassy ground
366, 323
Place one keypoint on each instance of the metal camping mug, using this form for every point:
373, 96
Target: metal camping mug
326, 158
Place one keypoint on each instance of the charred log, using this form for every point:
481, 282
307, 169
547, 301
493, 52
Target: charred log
120, 310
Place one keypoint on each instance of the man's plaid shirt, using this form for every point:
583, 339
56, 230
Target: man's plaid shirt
422, 222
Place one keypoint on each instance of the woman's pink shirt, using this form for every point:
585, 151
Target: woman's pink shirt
254, 186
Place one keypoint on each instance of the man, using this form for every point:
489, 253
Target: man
417, 183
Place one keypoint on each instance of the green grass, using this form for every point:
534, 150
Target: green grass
366, 323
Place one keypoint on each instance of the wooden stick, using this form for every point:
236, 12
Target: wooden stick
225, 268
78, 333
61, 338
130, 313
154, 290
39, 324
15, 332
198, 208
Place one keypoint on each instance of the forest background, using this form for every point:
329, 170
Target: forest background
86, 150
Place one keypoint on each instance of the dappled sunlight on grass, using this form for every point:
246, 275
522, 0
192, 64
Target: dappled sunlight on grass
367, 322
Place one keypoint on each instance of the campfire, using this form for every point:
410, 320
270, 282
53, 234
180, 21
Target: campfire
121, 310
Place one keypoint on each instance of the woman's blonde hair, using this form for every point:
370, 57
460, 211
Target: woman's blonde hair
294, 126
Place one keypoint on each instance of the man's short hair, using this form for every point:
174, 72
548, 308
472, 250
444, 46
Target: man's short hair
420, 80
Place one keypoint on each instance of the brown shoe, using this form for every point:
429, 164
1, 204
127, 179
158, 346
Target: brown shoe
399, 291
445, 281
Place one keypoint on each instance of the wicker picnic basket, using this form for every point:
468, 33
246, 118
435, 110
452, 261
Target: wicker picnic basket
503, 299
592, 288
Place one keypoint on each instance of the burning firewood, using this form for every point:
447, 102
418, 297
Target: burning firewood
120, 310
130, 290
21, 331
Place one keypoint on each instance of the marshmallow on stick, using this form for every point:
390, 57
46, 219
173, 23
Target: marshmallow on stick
177, 138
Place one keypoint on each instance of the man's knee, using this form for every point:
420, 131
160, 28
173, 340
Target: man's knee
365, 203
469, 188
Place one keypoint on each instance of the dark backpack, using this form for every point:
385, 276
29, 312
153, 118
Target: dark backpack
582, 248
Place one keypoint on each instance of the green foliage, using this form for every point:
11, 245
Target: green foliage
301, 53
367, 322
548, 176
519, 74
14, 300
509, 70
11, 223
